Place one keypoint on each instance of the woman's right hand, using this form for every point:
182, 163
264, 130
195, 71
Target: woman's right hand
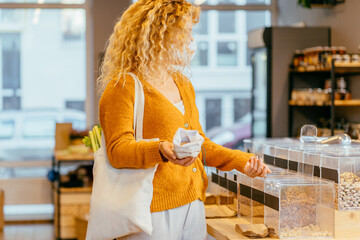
166, 149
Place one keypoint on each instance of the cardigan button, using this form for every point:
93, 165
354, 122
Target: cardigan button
194, 169
186, 125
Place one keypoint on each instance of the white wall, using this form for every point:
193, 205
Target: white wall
343, 20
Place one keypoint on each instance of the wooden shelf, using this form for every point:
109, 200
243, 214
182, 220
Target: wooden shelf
340, 103
61, 156
311, 71
340, 68
76, 190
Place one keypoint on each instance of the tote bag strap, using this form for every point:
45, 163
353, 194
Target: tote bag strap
139, 105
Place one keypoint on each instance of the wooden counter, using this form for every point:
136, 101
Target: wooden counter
224, 229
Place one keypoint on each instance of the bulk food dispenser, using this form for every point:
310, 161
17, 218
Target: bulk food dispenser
294, 207
341, 164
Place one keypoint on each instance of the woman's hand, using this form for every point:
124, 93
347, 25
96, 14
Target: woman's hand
166, 149
256, 168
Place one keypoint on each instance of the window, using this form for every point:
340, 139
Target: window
40, 73
227, 22
39, 128
241, 108
11, 103
220, 70
72, 21
7, 128
213, 113
227, 53
43, 81
201, 54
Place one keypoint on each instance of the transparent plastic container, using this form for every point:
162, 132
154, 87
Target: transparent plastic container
312, 163
232, 187
257, 200
296, 161
224, 193
213, 185
294, 209
269, 153
244, 197
281, 156
248, 145
342, 165
257, 192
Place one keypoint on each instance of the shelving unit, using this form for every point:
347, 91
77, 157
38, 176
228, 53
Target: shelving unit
69, 202
315, 79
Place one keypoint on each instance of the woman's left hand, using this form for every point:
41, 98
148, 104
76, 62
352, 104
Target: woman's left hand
256, 168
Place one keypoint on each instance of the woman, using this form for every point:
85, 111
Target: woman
152, 40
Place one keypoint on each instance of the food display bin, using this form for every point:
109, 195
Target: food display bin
294, 209
257, 192
312, 160
232, 187
342, 165
244, 197
269, 153
224, 193
296, 159
248, 145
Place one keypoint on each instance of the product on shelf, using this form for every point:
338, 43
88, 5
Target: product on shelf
309, 96
320, 58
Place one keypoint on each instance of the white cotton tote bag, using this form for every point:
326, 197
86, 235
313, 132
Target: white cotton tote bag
121, 198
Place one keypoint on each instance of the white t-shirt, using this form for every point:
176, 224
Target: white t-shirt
180, 106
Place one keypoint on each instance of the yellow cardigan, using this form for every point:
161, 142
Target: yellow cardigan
174, 185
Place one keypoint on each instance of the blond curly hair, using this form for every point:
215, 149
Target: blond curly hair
149, 33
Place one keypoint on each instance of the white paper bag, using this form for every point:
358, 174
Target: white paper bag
187, 143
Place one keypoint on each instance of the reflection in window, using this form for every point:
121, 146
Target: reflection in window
40, 127
227, 21
227, 54
213, 113
7, 128
201, 55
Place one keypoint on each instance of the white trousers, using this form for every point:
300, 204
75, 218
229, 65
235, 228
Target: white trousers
183, 223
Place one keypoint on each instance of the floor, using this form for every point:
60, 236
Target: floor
43, 231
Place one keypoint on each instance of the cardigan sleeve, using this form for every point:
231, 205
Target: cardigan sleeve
116, 113
223, 158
